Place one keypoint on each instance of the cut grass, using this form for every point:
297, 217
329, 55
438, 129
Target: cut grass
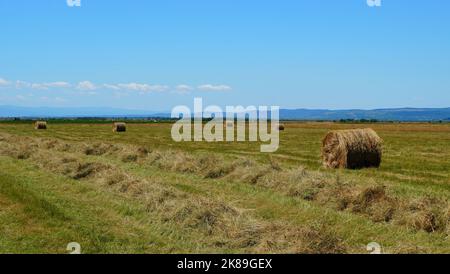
48, 211
180, 197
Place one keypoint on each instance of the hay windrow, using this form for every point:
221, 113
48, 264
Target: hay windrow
428, 214
99, 149
215, 219
314, 239
372, 199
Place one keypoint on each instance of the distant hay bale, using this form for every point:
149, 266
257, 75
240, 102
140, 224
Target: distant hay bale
281, 127
352, 149
119, 127
40, 125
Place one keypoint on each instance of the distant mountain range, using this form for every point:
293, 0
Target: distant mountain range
394, 114
55, 112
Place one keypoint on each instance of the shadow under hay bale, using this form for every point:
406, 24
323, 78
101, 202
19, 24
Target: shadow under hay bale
352, 149
40, 125
119, 127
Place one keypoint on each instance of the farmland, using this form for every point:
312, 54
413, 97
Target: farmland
141, 192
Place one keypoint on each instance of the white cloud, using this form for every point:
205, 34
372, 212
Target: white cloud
3, 82
143, 87
113, 87
22, 84
134, 86
159, 88
209, 87
86, 85
38, 86
58, 85
50, 85
183, 89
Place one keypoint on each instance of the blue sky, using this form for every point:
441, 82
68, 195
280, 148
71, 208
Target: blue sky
161, 53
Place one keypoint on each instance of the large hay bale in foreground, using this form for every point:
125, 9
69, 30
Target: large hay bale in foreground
40, 125
119, 127
352, 149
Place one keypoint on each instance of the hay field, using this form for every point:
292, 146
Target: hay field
140, 192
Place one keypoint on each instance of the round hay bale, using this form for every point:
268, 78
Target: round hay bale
352, 149
281, 127
40, 125
119, 127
